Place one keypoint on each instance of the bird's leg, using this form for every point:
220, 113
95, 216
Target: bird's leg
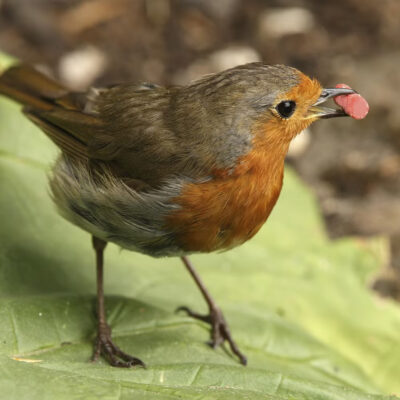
104, 345
219, 327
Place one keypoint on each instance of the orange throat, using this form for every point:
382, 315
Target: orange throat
230, 208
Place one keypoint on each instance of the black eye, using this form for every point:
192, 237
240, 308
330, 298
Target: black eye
286, 108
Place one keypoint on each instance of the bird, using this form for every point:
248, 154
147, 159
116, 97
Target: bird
171, 171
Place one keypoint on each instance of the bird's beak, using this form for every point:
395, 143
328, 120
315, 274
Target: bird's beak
325, 112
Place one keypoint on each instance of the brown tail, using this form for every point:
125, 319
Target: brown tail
31, 88
50, 106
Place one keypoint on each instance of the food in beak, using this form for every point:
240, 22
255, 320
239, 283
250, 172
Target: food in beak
352, 104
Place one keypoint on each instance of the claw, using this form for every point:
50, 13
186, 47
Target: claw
219, 330
115, 356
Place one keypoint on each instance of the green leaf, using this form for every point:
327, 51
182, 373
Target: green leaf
298, 305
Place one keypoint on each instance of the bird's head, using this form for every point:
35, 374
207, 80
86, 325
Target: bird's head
252, 106
281, 100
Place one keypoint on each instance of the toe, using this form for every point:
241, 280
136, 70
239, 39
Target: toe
195, 315
114, 355
118, 358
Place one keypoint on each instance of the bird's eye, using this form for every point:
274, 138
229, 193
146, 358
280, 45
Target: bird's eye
286, 108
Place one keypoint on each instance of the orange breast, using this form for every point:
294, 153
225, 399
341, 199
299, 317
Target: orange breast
229, 209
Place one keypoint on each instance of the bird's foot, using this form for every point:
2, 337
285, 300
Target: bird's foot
220, 331
114, 355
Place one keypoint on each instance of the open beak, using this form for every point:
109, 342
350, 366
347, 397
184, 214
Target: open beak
316, 111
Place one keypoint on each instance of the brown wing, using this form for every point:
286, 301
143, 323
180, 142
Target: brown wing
49, 105
122, 126
144, 133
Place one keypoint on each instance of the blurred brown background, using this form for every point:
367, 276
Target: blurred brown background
353, 167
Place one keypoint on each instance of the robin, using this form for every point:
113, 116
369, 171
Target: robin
172, 171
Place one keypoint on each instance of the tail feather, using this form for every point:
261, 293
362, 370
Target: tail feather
50, 106
62, 139
30, 87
